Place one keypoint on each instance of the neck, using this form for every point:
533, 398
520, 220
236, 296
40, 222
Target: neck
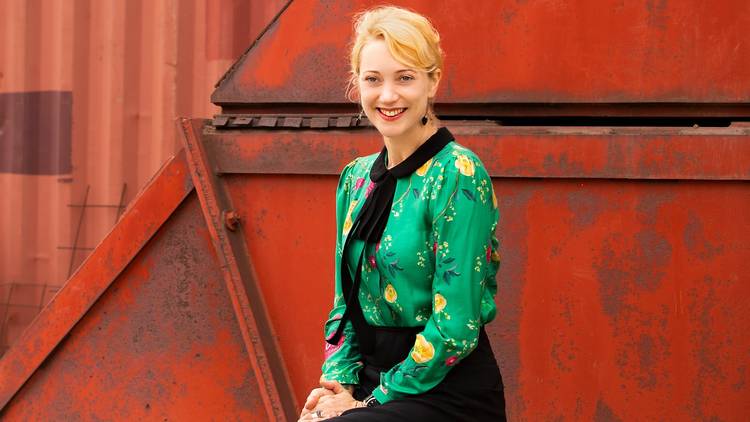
399, 149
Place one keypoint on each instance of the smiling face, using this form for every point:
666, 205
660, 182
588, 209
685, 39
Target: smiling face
394, 96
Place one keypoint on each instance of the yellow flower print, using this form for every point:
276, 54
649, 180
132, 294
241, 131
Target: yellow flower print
426, 166
440, 302
423, 350
465, 165
348, 222
390, 293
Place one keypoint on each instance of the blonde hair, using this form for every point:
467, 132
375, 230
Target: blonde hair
410, 37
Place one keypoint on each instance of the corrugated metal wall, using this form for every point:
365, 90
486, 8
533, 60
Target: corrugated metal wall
89, 90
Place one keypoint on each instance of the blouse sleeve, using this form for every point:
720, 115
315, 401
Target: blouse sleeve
342, 361
464, 213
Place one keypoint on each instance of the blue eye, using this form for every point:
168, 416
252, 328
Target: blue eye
371, 79
406, 78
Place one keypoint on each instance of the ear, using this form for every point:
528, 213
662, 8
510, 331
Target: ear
352, 93
435, 82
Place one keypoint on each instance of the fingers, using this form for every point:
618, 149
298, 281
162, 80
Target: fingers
334, 386
318, 415
326, 399
312, 399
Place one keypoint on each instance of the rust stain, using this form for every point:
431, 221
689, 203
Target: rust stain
696, 241
585, 206
604, 413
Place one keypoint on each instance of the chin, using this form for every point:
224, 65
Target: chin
390, 130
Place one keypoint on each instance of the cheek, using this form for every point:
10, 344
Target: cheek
367, 98
417, 95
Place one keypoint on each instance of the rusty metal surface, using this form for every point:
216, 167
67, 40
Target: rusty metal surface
619, 300
168, 188
624, 300
161, 343
622, 284
559, 152
288, 221
252, 317
612, 263
266, 121
519, 52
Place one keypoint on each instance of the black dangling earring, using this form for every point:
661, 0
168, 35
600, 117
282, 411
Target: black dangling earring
425, 119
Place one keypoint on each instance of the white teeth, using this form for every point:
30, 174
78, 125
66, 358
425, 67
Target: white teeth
391, 113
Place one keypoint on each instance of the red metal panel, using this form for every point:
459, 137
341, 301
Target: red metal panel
622, 284
559, 152
152, 326
608, 51
624, 300
162, 343
247, 302
618, 300
290, 242
156, 203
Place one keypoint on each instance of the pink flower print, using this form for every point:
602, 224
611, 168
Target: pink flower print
434, 248
333, 348
336, 317
371, 260
370, 187
451, 361
489, 253
359, 183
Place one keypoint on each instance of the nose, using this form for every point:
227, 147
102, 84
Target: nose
388, 94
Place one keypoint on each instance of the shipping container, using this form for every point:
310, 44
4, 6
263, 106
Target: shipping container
89, 91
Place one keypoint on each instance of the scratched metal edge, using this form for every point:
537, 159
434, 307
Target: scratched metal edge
219, 86
252, 317
627, 145
26, 355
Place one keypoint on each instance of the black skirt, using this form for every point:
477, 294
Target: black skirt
472, 390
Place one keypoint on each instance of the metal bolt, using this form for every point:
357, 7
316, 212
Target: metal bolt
231, 220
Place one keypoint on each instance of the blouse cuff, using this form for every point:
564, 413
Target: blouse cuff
343, 379
384, 395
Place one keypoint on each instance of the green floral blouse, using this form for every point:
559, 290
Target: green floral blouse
435, 267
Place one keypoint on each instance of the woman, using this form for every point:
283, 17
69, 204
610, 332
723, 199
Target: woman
416, 252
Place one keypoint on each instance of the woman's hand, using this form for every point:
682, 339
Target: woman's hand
331, 402
312, 400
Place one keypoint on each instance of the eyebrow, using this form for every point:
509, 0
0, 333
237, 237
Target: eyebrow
398, 71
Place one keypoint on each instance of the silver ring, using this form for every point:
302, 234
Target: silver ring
318, 413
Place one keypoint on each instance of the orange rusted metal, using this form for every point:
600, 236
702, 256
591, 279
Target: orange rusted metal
519, 52
622, 285
613, 240
247, 299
